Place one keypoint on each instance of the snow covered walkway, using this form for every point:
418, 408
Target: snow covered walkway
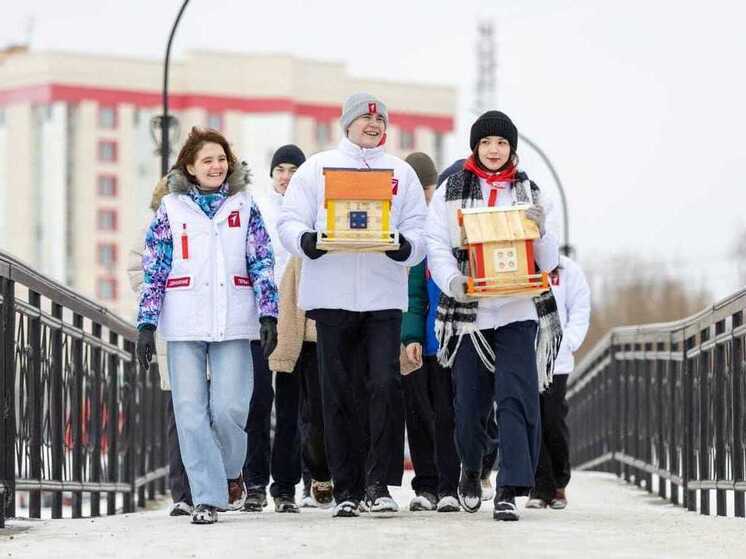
605, 518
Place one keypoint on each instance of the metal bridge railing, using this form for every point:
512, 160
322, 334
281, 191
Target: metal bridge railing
665, 402
79, 420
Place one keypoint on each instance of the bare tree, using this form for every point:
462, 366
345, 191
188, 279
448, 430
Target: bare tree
629, 290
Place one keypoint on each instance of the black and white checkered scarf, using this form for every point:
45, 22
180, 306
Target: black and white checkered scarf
454, 320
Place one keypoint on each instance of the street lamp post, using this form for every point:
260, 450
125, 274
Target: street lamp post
566, 248
166, 120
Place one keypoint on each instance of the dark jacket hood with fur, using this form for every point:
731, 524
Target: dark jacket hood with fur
238, 180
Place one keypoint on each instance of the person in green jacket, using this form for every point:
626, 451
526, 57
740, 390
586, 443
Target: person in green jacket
428, 393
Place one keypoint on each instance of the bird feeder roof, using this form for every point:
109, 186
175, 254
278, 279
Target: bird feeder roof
488, 225
357, 184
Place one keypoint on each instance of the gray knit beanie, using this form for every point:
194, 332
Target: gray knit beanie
359, 104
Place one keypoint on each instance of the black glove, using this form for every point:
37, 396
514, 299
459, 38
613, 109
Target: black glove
403, 252
146, 345
268, 335
308, 244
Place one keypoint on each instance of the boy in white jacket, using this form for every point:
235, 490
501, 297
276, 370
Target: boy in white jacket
357, 301
573, 297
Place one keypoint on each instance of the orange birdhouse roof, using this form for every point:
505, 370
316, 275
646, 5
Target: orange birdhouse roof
487, 225
357, 184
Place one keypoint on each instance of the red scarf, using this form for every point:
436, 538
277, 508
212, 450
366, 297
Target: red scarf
506, 175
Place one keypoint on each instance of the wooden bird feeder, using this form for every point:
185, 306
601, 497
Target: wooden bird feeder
501, 252
358, 210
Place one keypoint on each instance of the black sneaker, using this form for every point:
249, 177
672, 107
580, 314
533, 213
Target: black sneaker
470, 491
204, 514
378, 500
286, 503
256, 498
505, 508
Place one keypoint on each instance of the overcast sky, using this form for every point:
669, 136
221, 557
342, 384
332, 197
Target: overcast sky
639, 104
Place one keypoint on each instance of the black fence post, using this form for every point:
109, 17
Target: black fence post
721, 412
94, 419
128, 402
737, 457
35, 401
76, 414
7, 400
113, 424
689, 467
704, 423
56, 411
660, 370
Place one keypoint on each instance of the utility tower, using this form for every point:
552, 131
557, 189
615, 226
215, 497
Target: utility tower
486, 80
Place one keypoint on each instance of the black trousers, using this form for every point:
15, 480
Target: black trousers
178, 481
554, 459
311, 415
358, 355
428, 398
282, 457
514, 388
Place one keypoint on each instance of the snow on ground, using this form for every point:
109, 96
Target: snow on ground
605, 518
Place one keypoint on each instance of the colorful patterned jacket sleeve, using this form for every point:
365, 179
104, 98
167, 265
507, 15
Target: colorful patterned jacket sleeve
156, 263
260, 262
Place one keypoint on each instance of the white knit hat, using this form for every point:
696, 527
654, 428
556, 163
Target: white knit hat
359, 104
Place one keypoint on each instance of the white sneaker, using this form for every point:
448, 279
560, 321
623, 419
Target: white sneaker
346, 509
488, 492
307, 502
180, 509
423, 502
449, 503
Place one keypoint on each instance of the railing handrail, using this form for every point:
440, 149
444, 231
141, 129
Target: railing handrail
709, 313
16, 269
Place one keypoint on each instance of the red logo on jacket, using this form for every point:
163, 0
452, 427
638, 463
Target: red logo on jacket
554, 277
234, 219
394, 186
372, 108
241, 281
178, 282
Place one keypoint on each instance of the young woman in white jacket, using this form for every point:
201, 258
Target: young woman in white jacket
491, 343
573, 297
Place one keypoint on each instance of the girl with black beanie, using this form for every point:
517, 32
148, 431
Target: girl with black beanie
501, 349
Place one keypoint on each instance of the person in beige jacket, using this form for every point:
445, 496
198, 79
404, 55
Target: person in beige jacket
177, 477
296, 354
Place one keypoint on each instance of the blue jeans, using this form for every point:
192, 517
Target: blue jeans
210, 416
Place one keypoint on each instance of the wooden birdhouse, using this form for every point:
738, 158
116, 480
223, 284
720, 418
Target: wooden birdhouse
501, 252
358, 210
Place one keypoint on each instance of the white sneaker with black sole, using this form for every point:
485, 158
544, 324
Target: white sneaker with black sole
448, 503
346, 509
423, 501
379, 502
180, 509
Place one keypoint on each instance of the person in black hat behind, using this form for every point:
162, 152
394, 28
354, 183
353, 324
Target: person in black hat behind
502, 349
283, 456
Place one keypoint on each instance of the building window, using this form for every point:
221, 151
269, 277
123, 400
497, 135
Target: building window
438, 150
215, 121
106, 220
323, 133
107, 151
2, 117
106, 289
406, 140
107, 118
106, 185
106, 254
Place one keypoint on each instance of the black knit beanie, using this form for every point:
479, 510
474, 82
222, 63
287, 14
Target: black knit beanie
494, 123
287, 154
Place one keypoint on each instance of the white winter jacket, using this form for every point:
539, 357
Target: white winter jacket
498, 311
345, 280
269, 204
573, 297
